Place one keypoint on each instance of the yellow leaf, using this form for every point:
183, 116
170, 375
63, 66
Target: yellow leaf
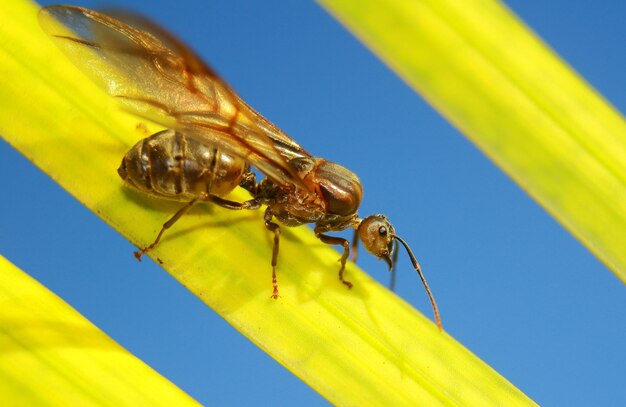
364, 346
529, 112
51, 355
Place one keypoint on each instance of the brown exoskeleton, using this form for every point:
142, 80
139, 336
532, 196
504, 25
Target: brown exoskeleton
213, 138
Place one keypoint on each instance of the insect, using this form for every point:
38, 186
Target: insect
214, 138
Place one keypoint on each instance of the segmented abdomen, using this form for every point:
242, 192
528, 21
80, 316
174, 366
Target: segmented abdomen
175, 166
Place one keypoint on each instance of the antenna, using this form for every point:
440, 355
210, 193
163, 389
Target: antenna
419, 271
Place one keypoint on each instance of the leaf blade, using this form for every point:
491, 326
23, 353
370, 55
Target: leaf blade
363, 346
517, 101
45, 341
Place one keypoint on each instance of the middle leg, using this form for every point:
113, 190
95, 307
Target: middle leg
274, 228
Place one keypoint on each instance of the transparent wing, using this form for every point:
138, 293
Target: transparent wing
155, 76
283, 143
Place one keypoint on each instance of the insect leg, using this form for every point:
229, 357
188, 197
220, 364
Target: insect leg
274, 228
394, 261
167, 225
355, 245
346, 251
225, 203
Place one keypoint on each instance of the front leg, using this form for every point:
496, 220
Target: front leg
394, 261
355, 245
346, 252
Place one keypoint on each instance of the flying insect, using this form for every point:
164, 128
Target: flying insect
213, 138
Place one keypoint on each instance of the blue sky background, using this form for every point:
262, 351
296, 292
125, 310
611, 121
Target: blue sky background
513, 286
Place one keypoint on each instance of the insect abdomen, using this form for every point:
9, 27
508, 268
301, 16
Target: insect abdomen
172, 165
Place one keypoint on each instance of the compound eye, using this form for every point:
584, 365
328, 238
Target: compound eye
382, 231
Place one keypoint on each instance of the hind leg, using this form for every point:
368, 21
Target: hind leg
252, 204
